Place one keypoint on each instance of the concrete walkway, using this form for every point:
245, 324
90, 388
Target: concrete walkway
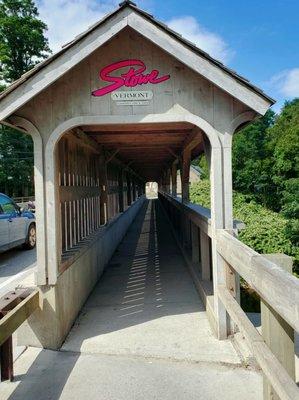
142, 334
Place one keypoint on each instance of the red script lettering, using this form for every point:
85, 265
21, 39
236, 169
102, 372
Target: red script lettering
133, 77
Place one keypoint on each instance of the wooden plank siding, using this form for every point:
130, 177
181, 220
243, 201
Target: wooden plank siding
81, 190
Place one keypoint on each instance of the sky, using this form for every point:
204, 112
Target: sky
257, 39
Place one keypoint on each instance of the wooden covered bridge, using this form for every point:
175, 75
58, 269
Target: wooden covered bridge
128, 102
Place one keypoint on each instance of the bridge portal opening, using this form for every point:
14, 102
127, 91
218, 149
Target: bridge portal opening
101, 170
151, 190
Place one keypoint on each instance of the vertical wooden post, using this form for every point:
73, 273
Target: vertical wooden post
195, 242
164, 181
167, 178
121, 190
217, 222
104, 191
129, 189
205, 256
6, 360
233, 278
133, 189
278, 335
185, 175
186, 160
174, 179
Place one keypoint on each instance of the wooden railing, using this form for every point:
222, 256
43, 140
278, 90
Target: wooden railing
15, 308
278, 289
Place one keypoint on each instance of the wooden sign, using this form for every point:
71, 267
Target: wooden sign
127, 73
132, 98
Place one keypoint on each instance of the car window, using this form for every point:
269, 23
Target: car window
6, 205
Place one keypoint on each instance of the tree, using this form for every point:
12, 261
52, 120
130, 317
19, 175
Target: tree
16, 163
284, 146
22, 40
22, 46
252, 161
266, 164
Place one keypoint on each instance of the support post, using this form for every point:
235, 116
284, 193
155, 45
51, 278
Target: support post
217, 222
121, 190
129, 189
185, 175
134, 189
195, 243
6, 360
174, 179
205, 256
167, 179
278, 335
233, 278
186, 160
104, 191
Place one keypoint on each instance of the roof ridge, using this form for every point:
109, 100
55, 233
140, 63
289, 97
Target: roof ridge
134, 7
127, 2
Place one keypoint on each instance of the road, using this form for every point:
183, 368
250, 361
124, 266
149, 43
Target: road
15, 265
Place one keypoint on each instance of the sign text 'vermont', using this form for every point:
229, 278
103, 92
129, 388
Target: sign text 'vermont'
134, 76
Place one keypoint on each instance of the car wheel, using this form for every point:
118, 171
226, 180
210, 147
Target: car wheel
31, 237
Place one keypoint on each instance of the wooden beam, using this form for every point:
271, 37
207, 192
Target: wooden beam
193, 140
172, 153
111, 156
140, 139
134, 146
85, 140
17, 315
133, 127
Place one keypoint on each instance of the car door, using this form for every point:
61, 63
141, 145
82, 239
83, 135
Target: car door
4, 230
16, 222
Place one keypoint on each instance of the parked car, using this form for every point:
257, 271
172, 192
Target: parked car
17, 226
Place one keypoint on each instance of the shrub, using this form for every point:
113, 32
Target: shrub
266, 230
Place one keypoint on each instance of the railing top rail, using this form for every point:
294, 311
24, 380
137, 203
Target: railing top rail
276, 286
196, 210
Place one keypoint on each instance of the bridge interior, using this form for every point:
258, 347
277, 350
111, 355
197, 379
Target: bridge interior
142, 333
146, 304
107, 254
102, 170
147, 147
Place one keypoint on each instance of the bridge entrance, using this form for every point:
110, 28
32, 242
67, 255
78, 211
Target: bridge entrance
129, 102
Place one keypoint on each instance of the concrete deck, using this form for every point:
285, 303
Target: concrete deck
143, 333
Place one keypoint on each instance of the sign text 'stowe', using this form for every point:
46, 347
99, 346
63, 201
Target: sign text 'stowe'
133, 77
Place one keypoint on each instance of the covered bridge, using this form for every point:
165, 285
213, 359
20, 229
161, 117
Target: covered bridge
128, 102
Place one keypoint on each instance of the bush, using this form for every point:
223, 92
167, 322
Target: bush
266, 230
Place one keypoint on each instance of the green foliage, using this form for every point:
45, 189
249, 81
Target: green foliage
266, 165
22, 41
200, 193
202, 163
265, 230
251, 161
16, 163
22, 45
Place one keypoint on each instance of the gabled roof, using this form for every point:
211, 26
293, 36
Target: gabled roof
148, 17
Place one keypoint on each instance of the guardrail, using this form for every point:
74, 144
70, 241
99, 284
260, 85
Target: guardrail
278, 290
15, 308
24, 199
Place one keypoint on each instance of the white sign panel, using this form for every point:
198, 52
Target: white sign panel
132, 98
